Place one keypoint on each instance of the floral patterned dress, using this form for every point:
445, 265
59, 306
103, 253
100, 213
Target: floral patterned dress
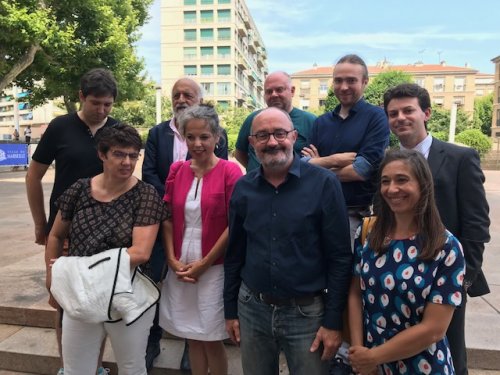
395, 288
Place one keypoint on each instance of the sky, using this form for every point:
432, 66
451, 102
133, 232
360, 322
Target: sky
401, 32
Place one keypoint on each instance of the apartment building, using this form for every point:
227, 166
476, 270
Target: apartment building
495, 124
446, 84
215, 42
15, 109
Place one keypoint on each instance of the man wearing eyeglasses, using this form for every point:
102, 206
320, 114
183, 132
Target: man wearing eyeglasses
164, 146
69, 141
350, 140
288, 243
278, 93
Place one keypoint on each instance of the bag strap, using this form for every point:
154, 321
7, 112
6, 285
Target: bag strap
367, 226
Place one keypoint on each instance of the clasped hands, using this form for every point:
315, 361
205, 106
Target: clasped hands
190, 272
363, 362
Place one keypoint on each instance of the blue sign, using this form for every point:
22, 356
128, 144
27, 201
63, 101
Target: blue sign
13, 154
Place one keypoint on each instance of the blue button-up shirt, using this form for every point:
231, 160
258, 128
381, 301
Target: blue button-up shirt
366, 132
291, 240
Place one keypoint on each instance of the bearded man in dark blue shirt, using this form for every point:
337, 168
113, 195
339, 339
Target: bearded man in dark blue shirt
288, 263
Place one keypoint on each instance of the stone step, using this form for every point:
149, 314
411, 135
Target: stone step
34, 350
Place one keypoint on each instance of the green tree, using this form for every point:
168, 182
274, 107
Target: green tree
142, 113
483, 113
331, 101
476, 139
231, 119
47, 45
374, 92
440, 120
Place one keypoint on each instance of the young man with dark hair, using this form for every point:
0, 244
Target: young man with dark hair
459, 194
69, 141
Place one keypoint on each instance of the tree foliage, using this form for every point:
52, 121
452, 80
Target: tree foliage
483, 113
142, 113
476, 139
69, 38
231, 118
331, 101
440, 120
374, 92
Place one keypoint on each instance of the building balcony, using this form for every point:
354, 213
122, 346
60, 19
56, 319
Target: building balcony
257, 42
242, 64
251, 47
242, 31
246, 20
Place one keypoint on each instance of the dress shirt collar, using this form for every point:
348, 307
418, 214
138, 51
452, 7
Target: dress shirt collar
423, 147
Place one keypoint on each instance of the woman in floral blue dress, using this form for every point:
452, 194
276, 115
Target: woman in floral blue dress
407, 279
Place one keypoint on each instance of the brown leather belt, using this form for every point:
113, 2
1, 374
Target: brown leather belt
296, 301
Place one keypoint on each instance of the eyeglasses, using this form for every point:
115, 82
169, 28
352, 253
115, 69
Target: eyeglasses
123, 155
280, 135
277, 90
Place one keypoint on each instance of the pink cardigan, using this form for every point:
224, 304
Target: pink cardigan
217, 187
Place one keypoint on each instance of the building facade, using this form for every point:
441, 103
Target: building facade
446, 84
495, 122
216, 43
17, 112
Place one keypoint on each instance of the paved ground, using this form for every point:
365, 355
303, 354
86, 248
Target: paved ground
17, 243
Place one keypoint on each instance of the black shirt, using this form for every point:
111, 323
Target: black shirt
69, 142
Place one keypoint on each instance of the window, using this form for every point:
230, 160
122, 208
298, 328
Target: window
224, 1
223, 52
189, 70
189, 35
224, 33
322, 102
207, 2
438, 85
459, 84
224, 15
305, 84
207, 52
189, 53
323, 87
460, 100
439, 101
189, 2
208, 87
207, 34
479, 92
224, 88
420, 81
224, 70
304, 104
207, 16
223, 104
190, 17
207, 70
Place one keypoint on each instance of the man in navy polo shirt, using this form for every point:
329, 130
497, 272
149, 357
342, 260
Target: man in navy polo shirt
351, 139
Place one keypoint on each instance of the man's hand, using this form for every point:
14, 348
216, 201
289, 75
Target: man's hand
233, 329
362, 360
310, 151
331, 342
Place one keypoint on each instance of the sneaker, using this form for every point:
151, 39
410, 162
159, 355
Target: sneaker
102, 371
61, 371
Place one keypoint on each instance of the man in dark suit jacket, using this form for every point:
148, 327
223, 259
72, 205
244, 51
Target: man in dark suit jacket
459, 194
164, 146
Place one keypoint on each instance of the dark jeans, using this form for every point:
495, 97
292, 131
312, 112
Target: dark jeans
267, 329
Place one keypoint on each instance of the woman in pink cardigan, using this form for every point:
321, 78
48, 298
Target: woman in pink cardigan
197, 192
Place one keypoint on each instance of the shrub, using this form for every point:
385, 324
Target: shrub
475, 139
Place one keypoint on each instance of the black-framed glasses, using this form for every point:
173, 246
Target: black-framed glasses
123, 155
280, 135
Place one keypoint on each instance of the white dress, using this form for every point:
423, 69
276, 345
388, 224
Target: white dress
194, 311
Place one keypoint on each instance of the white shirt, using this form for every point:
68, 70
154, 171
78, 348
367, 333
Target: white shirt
423, 147
180, 147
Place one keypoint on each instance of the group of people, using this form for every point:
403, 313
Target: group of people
275, 259
27, 134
